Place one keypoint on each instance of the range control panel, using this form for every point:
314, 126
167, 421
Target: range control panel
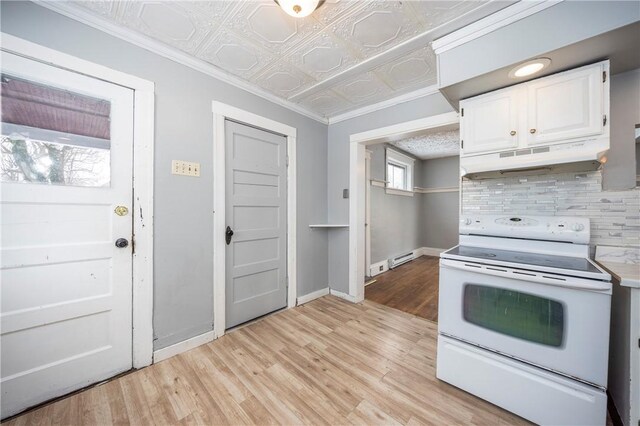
546, 228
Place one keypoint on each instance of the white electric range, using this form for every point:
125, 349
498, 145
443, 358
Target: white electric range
523, 317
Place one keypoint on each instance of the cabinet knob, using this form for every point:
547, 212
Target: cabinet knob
513, 133
532, 131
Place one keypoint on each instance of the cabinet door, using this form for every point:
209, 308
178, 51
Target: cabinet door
565, 106
489, 122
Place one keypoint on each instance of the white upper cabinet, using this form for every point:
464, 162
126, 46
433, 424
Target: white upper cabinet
489, 122
565, 106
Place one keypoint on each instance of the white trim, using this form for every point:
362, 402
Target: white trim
357, 183
416, 94
374, 269
102, 24
143, 138
395, 191
491, 23
430, 251
378, 182
378, 135
394, 154
184, 346
312, 296
419, 190
220, 112
367, 210
345, 296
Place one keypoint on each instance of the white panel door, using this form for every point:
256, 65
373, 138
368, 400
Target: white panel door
490, 122
66, 289
256, 212
566, 106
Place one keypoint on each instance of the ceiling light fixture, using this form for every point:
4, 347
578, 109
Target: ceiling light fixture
299, 8
529, 68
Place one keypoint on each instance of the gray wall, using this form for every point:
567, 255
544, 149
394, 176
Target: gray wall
338, 171
620, 170
396, 225
400, 223
183, 299
440, 210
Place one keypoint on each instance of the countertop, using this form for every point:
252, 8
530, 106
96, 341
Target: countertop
623, 263
627, 274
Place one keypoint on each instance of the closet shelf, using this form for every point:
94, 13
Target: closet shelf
327, 225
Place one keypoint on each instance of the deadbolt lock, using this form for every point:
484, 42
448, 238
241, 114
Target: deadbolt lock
121, 211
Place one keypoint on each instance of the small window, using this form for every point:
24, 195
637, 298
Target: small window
53, 136
397, 176
399, 172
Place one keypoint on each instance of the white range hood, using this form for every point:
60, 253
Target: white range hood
586, 155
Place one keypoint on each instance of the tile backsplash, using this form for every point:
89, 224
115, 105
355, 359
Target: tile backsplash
615, 215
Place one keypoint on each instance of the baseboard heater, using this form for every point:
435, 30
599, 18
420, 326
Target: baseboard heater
399, 260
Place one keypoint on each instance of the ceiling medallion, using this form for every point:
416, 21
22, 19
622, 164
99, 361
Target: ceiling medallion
299, 8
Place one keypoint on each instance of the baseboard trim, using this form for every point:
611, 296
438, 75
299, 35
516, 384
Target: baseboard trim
431, 251
374, 269
342, 295
185, 345
312, 296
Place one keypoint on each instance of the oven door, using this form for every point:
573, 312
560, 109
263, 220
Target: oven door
552, 321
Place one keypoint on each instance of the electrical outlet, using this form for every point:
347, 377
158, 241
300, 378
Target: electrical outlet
381, 268
185, 168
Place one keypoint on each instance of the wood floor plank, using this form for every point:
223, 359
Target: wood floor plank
326, 362
412, 288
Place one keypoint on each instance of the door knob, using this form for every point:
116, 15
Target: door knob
122, 242
532, 131
513, 133
228, 235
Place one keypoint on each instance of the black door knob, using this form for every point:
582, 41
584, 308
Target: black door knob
228, 235
122, 242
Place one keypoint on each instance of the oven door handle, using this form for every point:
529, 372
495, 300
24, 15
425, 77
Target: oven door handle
501, 271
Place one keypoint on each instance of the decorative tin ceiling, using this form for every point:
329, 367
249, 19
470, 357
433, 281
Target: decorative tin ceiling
432, 145
345, 55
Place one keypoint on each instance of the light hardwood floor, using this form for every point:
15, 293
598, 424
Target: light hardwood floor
326, 362
412, 287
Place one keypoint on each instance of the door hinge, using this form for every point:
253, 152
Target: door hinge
604, 120
461, 144
287, 161
604, 76
133, 245
462, 112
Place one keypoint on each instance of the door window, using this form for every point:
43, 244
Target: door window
53, 136
525, 316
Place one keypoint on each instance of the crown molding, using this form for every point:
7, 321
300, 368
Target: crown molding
491, 23
416, 94
102, 24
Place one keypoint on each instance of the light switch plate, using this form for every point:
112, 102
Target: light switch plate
185, 168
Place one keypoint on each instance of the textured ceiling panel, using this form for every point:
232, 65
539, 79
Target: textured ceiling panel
345, 55
431, 145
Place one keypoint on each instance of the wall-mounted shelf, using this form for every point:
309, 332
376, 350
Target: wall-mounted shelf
326, 225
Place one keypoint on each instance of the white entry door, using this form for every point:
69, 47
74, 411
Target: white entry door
66, 267
256, 212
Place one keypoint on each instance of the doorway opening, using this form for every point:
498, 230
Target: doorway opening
404, 182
